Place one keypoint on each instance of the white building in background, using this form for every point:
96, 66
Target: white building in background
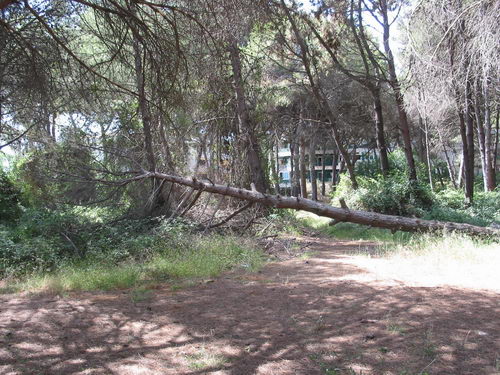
285, 164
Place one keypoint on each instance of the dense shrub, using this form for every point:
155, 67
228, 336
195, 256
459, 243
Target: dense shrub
398, 165
30, 255
47, 240
10, 200
394, 195
451, 207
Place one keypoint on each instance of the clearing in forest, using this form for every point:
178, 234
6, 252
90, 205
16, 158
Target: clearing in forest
331, 311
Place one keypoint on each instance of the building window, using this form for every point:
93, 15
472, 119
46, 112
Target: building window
284, 176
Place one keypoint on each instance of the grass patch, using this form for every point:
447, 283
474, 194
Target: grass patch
424, 259
205, 360
211, 257
199, 257
432, 260
348, 231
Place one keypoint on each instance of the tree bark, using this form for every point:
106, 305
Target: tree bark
335, 173
323, 170
469, 139
449, 164
295, 175
277, 168
303, 169
246, 128
379, 131
338, 214
495, 149
428, 154
490, 183
404, 125
143, 103
312, 168
156, 203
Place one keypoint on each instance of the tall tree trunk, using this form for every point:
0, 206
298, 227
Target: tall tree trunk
323, 164
295, 178
466, 173
379, 131
449, 164
404, 125
490, 183
481, 141
277, 167
469, 138
312, 168
495, 149
273, 160
246, 128
156, 202
143, 103
303, 169
461, 169
428, 154
321, 101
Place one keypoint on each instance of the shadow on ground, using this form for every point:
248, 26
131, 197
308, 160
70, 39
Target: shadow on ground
313, 316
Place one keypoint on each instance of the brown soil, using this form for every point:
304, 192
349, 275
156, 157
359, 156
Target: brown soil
322, 315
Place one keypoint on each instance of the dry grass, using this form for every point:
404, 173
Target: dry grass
419, 259
427, 260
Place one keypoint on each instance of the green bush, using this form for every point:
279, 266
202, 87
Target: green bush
31, 255
10, 200
45, 241
451, 207
394, 195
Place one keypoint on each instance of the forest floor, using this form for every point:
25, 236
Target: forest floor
326, 312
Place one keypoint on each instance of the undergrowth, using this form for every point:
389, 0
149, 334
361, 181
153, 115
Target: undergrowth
203, 257
74, 251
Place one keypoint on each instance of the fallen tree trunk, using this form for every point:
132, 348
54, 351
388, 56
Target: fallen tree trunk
337, 214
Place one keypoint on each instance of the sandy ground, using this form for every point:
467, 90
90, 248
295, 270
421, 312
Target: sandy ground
327, 314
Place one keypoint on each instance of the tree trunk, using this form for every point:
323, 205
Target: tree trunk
312, 168
481, 143
303, 169
404, 125
143, 104
246, 128
469, 138
490, 183
461, 171
295, 178
321, 101
495, 149
277, 167
338, 214
379, 131
428, 155
273, 156
449, 163
156, 203
335, 173
323, 164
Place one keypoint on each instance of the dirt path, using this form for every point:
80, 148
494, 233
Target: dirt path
322, 315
